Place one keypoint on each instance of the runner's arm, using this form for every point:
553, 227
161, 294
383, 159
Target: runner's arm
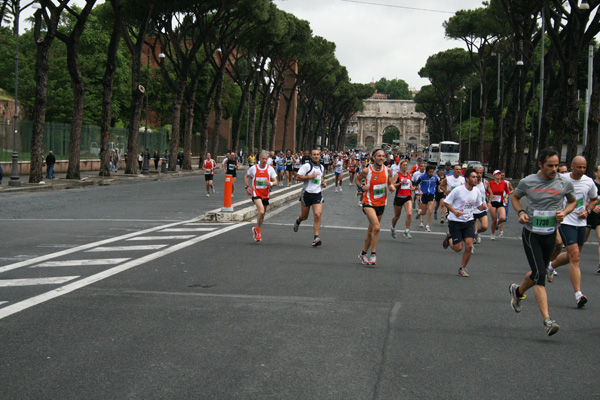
516, 202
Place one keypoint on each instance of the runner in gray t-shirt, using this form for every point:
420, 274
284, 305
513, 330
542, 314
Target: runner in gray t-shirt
545, 192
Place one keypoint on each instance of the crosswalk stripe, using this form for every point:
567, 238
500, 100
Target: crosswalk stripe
36, 281
127, 248
188, 230
177, 237
2, 302
81, 263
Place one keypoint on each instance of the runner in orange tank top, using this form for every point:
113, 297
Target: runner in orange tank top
378, 180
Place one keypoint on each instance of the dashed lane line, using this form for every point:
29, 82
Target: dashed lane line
127, 248
33, 301
37, 260
150, 238
57, 280
80, 263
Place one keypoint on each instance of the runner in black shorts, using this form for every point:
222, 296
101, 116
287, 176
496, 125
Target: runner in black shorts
545, 193
439, 196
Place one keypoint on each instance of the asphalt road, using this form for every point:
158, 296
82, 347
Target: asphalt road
200, 311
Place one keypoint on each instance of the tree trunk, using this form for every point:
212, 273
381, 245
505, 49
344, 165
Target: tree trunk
189, 126
78, 102
176, 125
108, 84
218, 111
39, 108
591, 148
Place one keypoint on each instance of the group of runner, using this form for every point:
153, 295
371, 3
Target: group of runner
559, 209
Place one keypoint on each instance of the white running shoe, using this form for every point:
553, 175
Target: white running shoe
421, 225
393, 232
492, 237
427, 228
207, 195
336, 189
501, 234
341, 190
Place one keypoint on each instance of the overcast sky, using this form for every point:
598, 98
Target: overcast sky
376, 38
375, 41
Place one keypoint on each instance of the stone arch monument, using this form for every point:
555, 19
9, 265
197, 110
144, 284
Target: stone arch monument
379, 115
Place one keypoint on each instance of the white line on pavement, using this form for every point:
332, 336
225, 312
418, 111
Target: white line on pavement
126, 248
25, 304
36, 281
43, 258
179, 237
80, 263
188, 230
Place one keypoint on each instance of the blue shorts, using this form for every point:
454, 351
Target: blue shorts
572, 234
279, 169
338, 173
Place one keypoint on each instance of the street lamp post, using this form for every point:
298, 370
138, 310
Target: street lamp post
146, 164
14, 175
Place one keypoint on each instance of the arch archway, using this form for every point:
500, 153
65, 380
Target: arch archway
369, 142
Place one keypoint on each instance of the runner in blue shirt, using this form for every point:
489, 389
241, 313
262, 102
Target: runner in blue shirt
426, 184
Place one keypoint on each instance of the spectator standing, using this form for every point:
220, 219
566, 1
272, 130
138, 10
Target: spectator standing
50, 161
156, 158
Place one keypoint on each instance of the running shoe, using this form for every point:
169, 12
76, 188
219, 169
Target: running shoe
336, 189
349, 183
551, 326
421, 225
255, 234
393, 232
598, 271
341, 190
316, 242
477, 238
515, 301
418, 212
549, 275
443, 220
363, 259
446, 241
463, 272
435, 216
501, 234
473, 250
296, 225
407, 235
207, 195
373, 259
492, 237
581, 301
427, 228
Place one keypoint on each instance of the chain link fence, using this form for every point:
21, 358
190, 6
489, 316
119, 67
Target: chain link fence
57, 139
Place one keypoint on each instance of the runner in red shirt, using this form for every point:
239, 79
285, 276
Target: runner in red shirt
402, 181
209, 172
263, 178
499, 189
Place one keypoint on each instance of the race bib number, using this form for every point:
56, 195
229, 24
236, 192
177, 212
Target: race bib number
405, 184
315, 181
261, 183
379, 190
544, 221
231, 167
208, 172
497, 199
580, 202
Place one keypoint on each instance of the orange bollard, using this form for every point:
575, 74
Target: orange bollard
227, 194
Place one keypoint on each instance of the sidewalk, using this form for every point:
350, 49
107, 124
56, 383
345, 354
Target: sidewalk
89, 178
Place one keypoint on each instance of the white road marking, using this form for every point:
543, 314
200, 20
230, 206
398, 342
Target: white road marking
36, 281
43, 258
188, 230
81, 263
127, 248
180, 237
2, 302
25, 304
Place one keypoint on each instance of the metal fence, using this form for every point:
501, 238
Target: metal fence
57, 139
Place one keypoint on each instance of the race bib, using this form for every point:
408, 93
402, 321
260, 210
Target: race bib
544, 221
580, 202
379, 190
231, 167
315, 181
208, 172
261, 183
497, 199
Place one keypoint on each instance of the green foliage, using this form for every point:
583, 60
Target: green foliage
396, 89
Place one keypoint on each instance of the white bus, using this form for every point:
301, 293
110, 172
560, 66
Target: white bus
449, 151
433, 154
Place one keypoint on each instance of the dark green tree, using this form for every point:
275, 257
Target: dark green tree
396, 89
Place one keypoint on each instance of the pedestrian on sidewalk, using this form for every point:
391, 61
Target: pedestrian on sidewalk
50, 161
156, 158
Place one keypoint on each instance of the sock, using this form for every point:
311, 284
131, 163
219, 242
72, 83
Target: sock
372, 253
316, 236
407, 230
518, 293
550, 268
578, 295
298, 222
362, 253
258, 230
